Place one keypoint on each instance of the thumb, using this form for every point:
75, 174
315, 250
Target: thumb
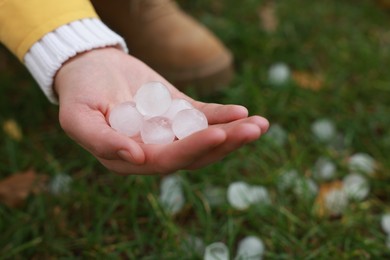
90, 129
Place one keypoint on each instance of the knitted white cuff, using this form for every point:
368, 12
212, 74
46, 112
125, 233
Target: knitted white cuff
46, 56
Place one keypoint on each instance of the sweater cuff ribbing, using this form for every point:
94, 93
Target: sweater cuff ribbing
46, 56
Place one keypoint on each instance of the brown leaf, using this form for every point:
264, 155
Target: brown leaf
308, 80
268, 20
12, 129
15, 189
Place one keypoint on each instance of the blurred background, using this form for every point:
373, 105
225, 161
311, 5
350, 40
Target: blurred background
316, 186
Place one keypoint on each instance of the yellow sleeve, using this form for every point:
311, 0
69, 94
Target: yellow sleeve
24, 22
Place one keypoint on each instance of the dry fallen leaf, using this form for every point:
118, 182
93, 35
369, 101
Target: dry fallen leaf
308, 80
268, 20
15, 189
12, 129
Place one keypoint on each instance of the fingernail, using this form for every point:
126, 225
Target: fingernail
126, 155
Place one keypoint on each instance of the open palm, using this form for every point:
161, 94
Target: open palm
89, 85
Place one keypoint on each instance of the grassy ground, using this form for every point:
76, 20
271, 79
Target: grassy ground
108, 217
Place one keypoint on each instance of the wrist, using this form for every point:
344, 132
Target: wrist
83, 63
84, 75
47, 56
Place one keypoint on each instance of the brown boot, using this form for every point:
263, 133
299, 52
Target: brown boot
384, 3
159, 33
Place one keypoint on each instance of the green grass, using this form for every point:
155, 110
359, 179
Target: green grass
109, 217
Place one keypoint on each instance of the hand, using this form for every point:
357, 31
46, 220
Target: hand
90, 84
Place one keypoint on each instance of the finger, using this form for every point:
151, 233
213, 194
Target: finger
164, 159
248, 129
90, 129
181, 153
259, 121
218, 114
248, 133
238, 134
195, 151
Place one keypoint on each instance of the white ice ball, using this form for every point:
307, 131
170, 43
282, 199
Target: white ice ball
172, 201
250, 247
324, 169
125, 119
356, 186
170, 182
187, 122
385, 223
361, 162
153, 99
178, 104
258, 195
60, 184
171, 194
336, 201
216, 251
279, 74
238, 195
324, 130
157, 130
